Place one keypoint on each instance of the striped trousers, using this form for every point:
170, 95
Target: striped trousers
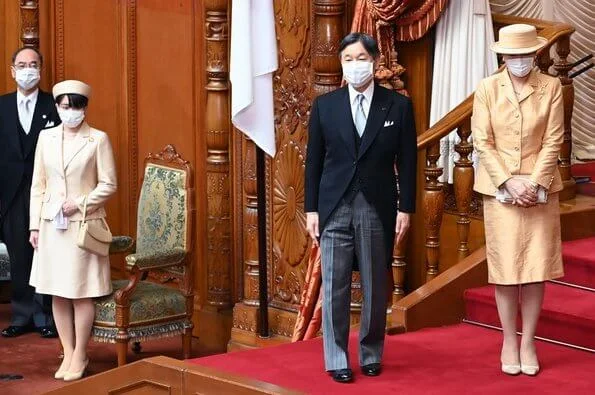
354, 231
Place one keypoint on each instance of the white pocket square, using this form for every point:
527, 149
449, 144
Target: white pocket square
388, 123
49, 124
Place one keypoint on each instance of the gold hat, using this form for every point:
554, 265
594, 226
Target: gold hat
71, 86
518, 39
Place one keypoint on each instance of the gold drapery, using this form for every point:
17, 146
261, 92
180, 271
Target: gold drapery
309, 317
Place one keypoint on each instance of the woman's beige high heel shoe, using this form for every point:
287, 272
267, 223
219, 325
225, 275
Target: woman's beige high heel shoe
59, 375
512, 370
530, 370
72, 376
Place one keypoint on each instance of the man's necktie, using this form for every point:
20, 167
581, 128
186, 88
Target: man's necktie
28, 118
360, 116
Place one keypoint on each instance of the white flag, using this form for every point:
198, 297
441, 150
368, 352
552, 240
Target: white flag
253, 61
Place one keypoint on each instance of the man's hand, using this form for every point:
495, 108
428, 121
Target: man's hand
402, 226
34, 238
312, 227
522, 191
69, 207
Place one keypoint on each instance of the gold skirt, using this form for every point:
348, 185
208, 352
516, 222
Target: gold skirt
523, 245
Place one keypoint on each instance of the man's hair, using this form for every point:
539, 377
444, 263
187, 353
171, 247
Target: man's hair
370, 45
18, 51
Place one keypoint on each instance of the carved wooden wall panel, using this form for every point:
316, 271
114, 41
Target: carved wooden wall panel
292, 89
9, 41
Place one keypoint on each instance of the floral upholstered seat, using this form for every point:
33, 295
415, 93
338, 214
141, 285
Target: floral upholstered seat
138, 309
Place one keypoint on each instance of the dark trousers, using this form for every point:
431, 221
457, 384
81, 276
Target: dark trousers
353, 231
27, 306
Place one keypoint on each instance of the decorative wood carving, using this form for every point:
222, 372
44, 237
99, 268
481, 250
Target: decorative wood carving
450, 203
327, 32
433, 201
59, 45
132, 107
464, 176
217, 122
562, 66
250, 236
288, 241
30, 23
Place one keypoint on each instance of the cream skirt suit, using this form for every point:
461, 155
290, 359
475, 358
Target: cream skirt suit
519, 135
72, 169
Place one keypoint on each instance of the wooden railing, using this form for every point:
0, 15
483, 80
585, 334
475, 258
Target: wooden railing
459, 119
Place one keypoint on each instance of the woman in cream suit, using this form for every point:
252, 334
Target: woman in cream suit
73, 162
518, 128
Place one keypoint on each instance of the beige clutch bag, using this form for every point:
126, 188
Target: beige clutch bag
504, 197
94, 237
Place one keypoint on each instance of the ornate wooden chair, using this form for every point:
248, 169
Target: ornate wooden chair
140, 310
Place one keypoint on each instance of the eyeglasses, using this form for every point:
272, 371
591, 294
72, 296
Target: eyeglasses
23, 65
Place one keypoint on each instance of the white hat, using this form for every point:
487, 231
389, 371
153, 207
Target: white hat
518, 39
71, 86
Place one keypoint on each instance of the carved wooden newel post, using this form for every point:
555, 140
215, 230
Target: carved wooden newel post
217, 119
562, 66
463, 186
30, 23
433, 201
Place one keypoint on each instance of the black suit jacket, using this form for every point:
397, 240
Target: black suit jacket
389, 139
15, 165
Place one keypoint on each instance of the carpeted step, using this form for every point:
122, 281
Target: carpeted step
579, 262
568, 313
586, 169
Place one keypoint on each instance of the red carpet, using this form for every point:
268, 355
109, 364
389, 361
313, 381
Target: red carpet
568, 312
579, 262
449, 360
585, 170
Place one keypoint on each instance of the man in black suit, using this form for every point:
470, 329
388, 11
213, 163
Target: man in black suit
23, 114
357, 135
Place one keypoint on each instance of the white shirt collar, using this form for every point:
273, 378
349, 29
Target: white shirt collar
32, 96
368, 93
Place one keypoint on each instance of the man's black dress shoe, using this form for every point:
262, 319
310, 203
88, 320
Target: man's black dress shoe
372, 369
14, 331
47, 332
342, 375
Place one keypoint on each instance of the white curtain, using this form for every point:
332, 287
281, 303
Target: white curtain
581, 15
462, 57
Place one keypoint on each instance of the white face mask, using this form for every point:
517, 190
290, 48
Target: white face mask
71, 118
520, 67
358, 72
27, 78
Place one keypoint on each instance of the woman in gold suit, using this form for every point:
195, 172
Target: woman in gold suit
518, 129
74, 169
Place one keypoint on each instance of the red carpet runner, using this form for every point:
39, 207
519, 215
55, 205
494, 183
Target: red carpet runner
449, 360
568, 312
585, 170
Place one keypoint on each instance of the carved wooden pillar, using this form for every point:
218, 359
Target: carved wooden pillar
464, 175
398, 267
433, 201
562, 66
327, 32
30, 23
217, 121
250, 235
544, 61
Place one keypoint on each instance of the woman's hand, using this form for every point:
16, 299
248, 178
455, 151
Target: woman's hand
69, 208
522, 191
34, 238
312, 227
